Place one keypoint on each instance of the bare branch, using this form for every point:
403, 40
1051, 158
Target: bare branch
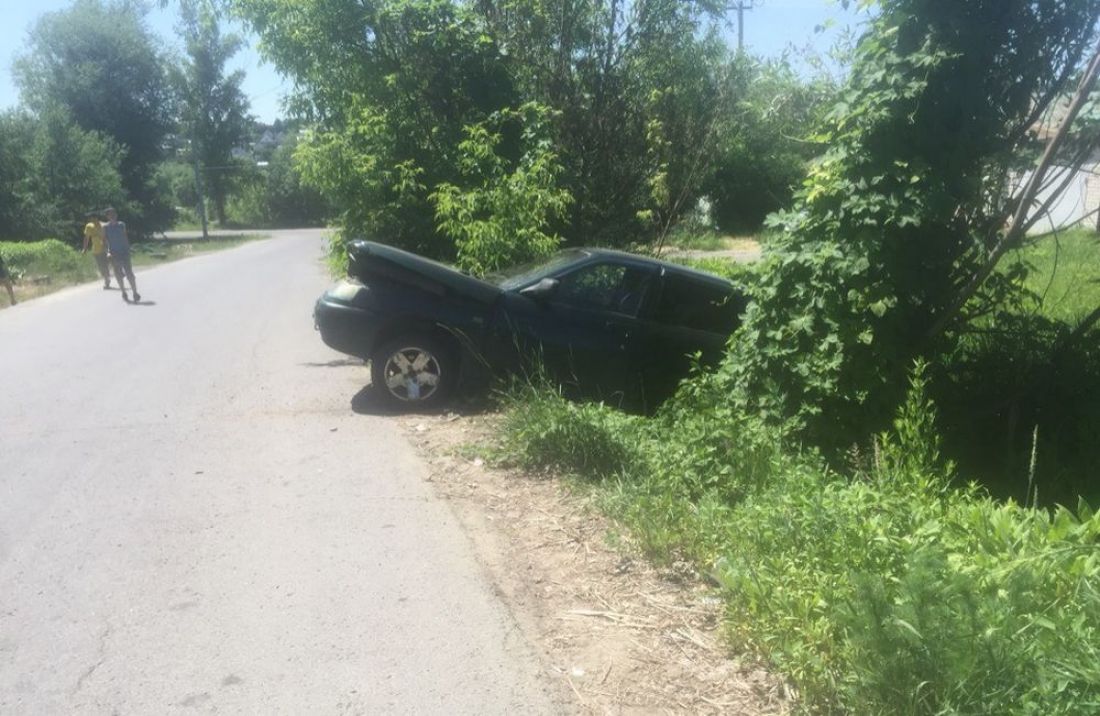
1018, 227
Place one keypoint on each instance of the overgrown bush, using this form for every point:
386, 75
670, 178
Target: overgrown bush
884, 589
890, 237
1021, 408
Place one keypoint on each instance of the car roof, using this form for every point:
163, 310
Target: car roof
659, 263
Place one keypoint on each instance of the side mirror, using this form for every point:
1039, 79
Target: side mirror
542, 290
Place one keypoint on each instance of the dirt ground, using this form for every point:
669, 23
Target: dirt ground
622, 636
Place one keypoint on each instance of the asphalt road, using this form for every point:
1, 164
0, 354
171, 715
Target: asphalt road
194, 520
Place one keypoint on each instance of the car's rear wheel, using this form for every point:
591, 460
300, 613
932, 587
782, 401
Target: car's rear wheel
414, 371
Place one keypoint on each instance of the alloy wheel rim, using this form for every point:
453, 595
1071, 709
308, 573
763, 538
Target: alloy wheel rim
412, 374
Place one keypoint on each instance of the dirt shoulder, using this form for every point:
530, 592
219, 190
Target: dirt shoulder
622, 636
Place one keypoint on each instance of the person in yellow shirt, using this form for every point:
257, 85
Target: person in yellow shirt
93, 236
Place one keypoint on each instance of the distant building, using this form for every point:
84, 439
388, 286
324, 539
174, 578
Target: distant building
1079, 203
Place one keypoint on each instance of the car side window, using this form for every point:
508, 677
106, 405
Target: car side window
604, 287
698, 305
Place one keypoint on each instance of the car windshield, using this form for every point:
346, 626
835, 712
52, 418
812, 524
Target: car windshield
525, 273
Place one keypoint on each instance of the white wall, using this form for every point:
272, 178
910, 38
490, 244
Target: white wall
1081, 196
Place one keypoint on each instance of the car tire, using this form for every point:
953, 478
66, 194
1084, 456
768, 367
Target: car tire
414, 371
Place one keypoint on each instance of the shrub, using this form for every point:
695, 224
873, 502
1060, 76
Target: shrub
1019, 388
49, 257
544, 430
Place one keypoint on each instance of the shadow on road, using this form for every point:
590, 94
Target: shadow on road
143, 303
337, 363
369, 401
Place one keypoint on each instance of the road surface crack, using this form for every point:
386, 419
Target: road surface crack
101, 654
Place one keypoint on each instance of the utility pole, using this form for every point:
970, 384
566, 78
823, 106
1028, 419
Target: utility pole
199, 189
741, 6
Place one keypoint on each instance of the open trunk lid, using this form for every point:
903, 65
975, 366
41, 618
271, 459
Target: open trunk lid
369, 261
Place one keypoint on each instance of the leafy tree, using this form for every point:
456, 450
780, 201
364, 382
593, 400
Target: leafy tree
390, 86
179, 178
214, 109
17, 201
290, 201
904, 207
765, 141
394, 85
98, 61
276, 195
638, 87
52, 173
74, 171
502, 218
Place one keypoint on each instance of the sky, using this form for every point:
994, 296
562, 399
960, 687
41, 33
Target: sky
771, 28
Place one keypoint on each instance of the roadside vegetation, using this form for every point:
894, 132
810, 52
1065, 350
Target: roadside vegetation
484, 133
893, 581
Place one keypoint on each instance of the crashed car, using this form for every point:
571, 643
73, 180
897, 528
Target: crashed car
610, 325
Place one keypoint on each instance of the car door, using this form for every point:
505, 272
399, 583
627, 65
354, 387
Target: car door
585, 332
688, 314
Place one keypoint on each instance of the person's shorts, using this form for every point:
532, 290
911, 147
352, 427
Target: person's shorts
3, 269
122, 264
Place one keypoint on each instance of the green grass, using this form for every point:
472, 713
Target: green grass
1065, 274
188, 225
1020, 401
699, 241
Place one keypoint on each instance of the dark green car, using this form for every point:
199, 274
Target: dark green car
603, 324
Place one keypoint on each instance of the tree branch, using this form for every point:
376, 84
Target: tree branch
1019, 220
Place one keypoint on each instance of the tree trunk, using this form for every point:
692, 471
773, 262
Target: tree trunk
219, 206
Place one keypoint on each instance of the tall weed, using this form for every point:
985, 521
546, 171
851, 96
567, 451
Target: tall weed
544, 430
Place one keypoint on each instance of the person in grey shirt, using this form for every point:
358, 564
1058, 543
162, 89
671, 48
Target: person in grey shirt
118, 245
